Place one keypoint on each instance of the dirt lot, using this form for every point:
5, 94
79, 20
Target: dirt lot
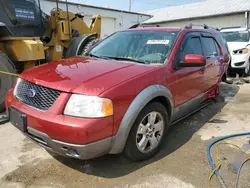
182, 161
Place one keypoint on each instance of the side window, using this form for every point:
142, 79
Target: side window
209, 46
222, 42
217, 48
192, 46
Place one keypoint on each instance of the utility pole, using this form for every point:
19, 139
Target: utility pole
130, 5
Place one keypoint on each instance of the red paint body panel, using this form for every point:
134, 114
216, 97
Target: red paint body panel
83, 75
63, 128
119, 81
155, 29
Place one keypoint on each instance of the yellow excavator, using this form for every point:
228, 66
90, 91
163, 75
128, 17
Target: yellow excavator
29, 37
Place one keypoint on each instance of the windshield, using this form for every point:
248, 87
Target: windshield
236, 36
149, 47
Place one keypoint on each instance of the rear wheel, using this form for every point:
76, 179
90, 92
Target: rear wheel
6, 81
147, 133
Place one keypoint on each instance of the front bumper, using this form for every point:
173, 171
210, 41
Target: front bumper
80, 138
84, 152
80, 131
239, 61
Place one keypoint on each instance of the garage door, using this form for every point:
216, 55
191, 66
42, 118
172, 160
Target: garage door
108, 26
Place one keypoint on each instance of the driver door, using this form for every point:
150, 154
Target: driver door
189, 80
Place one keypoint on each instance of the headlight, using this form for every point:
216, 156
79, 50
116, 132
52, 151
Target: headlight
17, 83
88, 106
241, 51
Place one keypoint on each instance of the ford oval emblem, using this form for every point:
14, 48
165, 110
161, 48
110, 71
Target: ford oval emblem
31, 92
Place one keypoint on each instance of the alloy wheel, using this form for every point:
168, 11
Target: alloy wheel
150, 132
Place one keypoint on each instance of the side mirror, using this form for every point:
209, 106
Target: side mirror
193, 60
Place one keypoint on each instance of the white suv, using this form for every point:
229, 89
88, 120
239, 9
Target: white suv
239, 45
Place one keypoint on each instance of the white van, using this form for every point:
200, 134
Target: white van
239, 46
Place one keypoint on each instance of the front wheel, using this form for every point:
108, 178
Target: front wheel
247, 69
244, 72
147, 133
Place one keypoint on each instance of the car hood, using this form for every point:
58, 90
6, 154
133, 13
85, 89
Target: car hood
236, 45
84, 75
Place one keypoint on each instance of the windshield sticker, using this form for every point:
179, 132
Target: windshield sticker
158, 42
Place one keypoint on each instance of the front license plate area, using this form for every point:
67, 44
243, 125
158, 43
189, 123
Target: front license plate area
18, 119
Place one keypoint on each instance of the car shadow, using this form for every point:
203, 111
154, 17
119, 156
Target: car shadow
113, 166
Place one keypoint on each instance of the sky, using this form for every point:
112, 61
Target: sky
137, 5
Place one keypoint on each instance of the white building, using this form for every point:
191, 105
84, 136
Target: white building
112, 19
216, 13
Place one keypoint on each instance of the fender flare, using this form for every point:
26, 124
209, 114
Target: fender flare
140, 101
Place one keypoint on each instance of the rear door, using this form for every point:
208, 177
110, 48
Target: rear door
212, 54
226, 57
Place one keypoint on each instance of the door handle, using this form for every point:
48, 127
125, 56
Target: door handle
202, 70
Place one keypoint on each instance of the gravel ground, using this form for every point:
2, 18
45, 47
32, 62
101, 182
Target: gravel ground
181, 162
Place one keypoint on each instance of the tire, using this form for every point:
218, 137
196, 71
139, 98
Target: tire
88, 46
134, 145
79, 46
244, 72
247, 70
6, 81
224, 77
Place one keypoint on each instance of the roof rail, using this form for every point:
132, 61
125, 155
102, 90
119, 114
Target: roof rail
190, 26
232, 27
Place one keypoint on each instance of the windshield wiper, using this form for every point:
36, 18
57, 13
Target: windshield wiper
96, 56
127, 59
117, 58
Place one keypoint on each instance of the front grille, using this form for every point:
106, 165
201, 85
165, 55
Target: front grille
36, 96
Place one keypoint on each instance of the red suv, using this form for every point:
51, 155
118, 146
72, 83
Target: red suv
123, 95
